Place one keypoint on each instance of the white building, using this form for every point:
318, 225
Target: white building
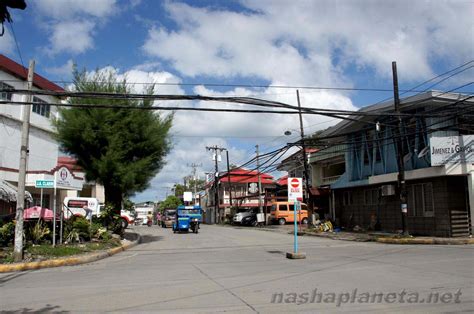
43, 149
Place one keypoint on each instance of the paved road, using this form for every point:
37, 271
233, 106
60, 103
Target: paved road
240, 270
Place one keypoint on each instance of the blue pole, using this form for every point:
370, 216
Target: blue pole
295, 249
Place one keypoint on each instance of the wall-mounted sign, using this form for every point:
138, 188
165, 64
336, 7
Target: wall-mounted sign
452, 150
253, 187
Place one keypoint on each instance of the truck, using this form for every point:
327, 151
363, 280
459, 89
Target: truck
89, 207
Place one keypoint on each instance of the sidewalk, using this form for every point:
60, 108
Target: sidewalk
381, 237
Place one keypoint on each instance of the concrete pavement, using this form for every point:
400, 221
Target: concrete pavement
244, 270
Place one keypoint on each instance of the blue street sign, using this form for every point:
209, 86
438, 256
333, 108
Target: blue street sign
44, 184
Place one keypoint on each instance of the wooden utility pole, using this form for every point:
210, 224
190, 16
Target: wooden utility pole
260, 208
402, 192
228, 179
20, 198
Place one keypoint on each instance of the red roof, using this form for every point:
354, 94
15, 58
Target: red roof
69, 161
240, 175
283, 181
10, 66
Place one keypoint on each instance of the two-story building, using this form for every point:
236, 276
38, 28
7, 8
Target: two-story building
359, 163
240, 185
43, 149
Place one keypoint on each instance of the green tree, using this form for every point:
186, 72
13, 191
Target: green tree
179, 190
199, 183
170, 202
120, 148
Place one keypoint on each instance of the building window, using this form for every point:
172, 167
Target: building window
5, 95
347, 198
41, 107
371, 197
420, 200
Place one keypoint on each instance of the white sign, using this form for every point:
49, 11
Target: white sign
452, 150
295, 189
253, 187
188, 196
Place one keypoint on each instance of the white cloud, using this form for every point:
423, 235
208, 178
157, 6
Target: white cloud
7, 44
65, 9
64, 71
312, 42
71, 36
71, 24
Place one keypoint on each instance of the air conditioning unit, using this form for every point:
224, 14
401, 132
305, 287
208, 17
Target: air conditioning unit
388, 190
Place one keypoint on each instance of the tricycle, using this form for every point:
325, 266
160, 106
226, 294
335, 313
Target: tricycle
187, 217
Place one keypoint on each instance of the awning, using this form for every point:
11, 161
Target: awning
319, 191
8, 192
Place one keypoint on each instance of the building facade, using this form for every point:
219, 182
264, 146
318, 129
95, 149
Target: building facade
440, 192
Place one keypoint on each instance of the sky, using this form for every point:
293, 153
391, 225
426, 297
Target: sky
209, 47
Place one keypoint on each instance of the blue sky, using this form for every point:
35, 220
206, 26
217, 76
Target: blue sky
251, 42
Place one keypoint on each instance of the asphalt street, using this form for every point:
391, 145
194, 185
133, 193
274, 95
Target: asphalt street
242, 270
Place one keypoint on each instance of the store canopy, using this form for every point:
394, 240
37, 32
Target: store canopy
8, 192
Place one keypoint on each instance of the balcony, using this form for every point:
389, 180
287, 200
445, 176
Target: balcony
329, 180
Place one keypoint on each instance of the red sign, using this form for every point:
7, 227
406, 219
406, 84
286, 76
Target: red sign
295, 183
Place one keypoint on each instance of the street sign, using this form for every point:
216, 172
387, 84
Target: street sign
44, 184
295, 189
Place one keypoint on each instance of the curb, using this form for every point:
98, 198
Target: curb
70, 261
384, 240
424, 241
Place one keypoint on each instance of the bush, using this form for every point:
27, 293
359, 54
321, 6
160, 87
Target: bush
38, 232
112, 220
77, 229
7, 234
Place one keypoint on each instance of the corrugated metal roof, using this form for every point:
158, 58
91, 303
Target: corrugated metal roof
8, 192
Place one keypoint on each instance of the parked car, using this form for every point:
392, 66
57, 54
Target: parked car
169, 216
237, 219
283, 212
250, 220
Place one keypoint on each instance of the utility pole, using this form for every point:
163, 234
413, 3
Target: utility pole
194, 166
20, 198
260, 209
216, 149
400, 152
228, 179
305, 161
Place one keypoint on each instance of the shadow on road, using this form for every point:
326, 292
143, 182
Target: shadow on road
147, 238
48, 308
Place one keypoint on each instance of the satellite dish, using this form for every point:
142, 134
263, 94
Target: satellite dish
423, 152
407, 157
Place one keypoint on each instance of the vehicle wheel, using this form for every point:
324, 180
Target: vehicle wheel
124, 223
305, 221
281, 221
254, 223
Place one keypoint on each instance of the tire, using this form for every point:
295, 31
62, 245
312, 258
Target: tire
254, 223
124, 223
304, 221
281, 221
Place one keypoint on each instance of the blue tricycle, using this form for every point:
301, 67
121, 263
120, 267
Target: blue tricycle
187, 217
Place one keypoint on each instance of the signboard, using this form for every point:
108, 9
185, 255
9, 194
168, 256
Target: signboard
295, 189
253, 187
44, 184
188, 196
452, 150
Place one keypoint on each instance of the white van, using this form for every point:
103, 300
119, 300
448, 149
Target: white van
79, 206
